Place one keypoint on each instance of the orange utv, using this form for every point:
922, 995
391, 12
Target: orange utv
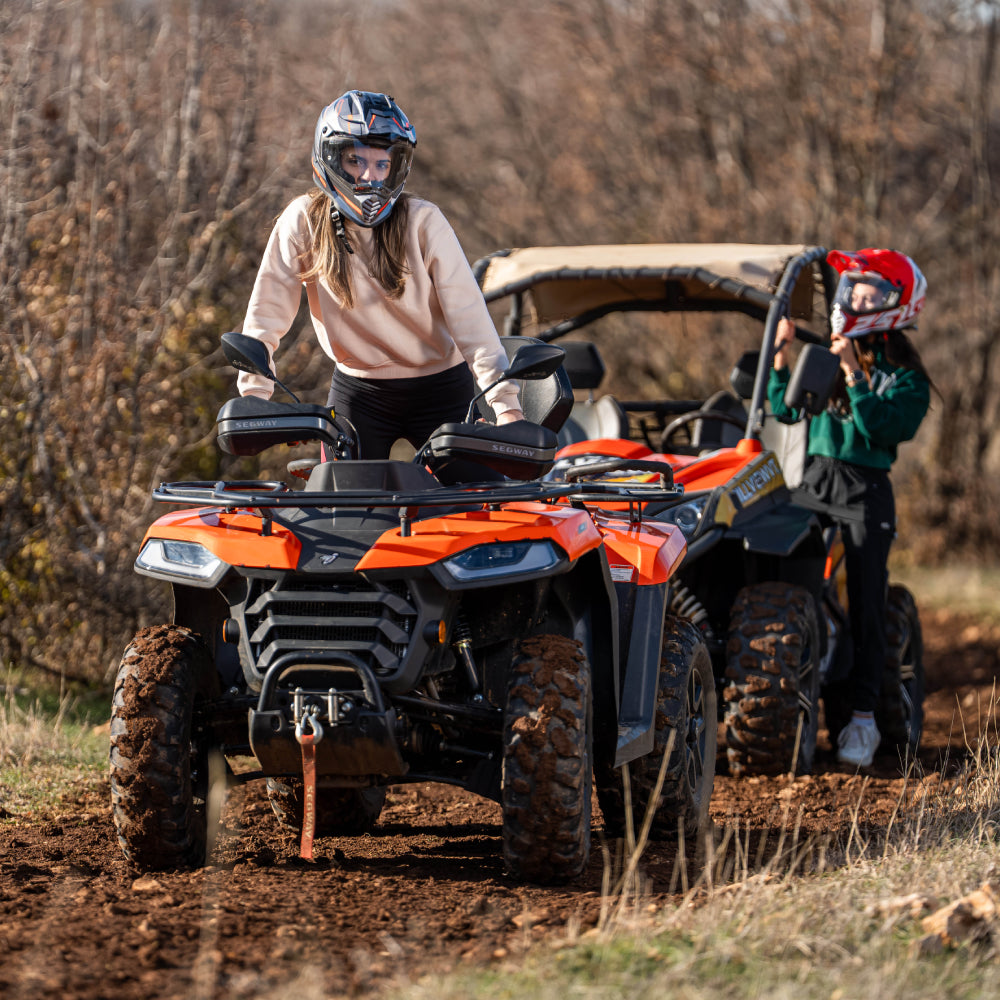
762, 578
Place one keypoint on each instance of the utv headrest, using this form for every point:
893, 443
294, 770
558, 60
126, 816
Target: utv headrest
583, 364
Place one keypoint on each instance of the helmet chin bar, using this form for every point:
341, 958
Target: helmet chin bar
371, 207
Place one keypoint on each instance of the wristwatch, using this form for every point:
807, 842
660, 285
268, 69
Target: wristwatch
857, 375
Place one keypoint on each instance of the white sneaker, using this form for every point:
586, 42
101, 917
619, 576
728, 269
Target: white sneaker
857, 744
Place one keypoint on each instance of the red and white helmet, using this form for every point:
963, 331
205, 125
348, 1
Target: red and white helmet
878, 290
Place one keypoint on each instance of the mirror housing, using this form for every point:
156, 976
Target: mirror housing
247, 354
534, 361
813, 379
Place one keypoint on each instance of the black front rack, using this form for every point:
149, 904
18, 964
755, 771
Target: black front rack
263, 495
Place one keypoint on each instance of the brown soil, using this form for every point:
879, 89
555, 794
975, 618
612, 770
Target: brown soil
426, 891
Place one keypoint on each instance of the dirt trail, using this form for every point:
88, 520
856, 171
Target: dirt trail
426, 891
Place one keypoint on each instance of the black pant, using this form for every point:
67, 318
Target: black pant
867, 494
385, 409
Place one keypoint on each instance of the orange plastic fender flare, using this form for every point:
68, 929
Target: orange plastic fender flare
235, 538
646, 553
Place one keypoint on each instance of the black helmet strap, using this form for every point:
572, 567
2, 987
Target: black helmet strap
338, 226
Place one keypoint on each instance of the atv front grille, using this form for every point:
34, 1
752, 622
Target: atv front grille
372, 621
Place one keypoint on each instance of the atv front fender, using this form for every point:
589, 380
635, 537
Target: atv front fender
637, 715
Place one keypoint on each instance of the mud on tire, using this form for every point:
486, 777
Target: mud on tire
685, 705
772, 680
900, 712
159, 760
546, 777
339, 811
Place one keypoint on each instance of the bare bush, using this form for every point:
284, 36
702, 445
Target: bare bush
147, 148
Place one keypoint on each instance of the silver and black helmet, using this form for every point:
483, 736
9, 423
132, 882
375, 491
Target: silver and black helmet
361, 155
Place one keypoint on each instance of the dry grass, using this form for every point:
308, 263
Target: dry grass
809, 920
48, 744
964, 587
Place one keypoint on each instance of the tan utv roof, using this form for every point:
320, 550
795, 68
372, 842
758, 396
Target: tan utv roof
567, 281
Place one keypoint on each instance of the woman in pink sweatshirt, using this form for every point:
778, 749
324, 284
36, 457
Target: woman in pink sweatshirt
392, 297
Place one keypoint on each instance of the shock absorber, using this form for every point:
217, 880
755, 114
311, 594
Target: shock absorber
462, 644
685, 605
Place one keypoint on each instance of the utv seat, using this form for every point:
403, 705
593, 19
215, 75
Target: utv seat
790, 442
708, 434
591, 418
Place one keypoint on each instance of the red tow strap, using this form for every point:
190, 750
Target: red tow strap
309, 794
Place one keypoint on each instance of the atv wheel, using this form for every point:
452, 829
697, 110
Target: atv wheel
339, 811
686, 706
772, 679
900, 713
159, 757
546, 778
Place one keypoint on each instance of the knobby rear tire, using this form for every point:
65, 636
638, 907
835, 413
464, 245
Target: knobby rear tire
900, 712
772, 680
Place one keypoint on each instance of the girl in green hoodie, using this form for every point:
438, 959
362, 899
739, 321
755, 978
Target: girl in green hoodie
878, 403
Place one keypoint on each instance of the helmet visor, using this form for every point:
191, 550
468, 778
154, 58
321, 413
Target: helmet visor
360, 168
862, 292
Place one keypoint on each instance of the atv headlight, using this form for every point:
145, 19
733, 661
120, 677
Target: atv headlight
498, 559
687, 516
165, 558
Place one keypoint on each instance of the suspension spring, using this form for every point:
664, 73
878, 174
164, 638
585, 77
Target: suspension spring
685, 605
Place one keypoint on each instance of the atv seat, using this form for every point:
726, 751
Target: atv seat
394, 477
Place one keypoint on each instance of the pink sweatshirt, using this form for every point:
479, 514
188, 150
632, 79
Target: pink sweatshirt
440, 320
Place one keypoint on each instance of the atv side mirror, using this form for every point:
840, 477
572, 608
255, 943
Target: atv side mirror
247, 354
532, 361
812, 380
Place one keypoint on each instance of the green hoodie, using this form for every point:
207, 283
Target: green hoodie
882, 415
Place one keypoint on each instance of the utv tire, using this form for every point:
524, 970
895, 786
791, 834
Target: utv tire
159, 758
900, 712
772, 680
545, 785
339, 811
685, 705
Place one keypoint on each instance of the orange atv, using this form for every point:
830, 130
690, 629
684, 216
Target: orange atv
756, 579
387, 624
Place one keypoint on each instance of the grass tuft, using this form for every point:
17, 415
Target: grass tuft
806, 918
49, 744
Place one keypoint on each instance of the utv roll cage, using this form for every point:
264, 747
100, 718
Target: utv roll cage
571, 287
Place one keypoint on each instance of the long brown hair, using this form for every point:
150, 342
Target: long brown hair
328, 258
899, 352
